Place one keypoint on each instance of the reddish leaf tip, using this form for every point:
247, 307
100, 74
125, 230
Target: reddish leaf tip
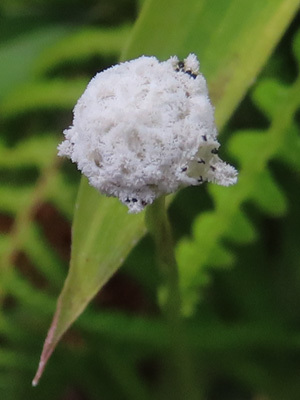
48, 347
35, 382
39, 372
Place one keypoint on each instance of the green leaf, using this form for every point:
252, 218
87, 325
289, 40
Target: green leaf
13, 198
18, 56
268, 196
240, 229
253, 151
82, 44
98, 249
289, 152
28, 152
268, 95
42, 256
54, 94
233, 39
245, 145
220, 258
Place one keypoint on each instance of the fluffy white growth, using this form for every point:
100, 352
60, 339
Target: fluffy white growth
145, 128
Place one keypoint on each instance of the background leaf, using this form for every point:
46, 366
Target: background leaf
27, 46
254, 151
232, 39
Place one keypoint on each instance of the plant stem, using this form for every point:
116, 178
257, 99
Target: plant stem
181, 380
159, 227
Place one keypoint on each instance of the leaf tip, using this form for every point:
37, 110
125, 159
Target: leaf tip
35, 382
39, 373
48, 347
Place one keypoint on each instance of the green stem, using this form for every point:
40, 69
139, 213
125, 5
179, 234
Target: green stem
181, 378
159, 227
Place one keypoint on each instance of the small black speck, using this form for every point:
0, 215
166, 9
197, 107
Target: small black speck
127, 200
204, 138
134, 200
181, 64
191, 74
215, 151
201, 161
212, 168
143, 203
184, 169
200, 179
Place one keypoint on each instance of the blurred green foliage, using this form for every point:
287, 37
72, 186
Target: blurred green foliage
237, 249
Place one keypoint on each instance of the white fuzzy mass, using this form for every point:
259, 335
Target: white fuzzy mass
145, 128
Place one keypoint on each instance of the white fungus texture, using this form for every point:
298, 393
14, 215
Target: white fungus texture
145, 128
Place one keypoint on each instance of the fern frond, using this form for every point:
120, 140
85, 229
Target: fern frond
28, 152
48, 94
253, 151
81, 45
